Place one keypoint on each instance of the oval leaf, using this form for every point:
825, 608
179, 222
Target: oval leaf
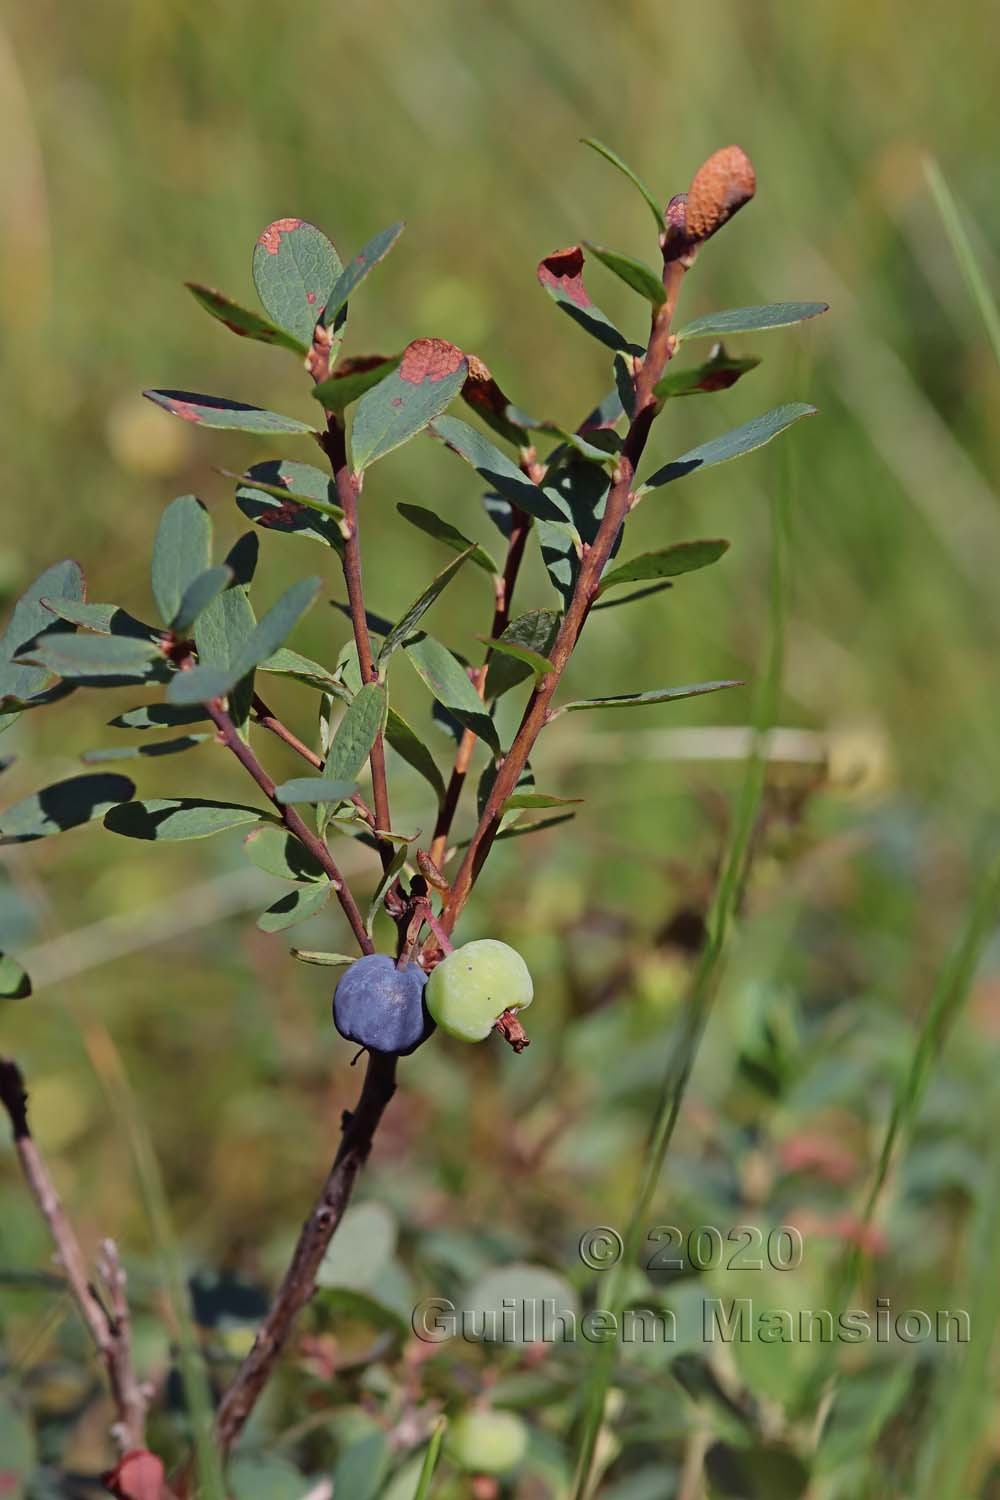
561, 274
220, 412
356, 733
314, 789
170, 819
352, 378
635, 273
156, 748
411, 748
30, 620
278, 852
524, 645
430, 375
668, 562
447, 680
295, 906
66, 804
199, 594
734, 444
247, 324
94, 655
182, 552
499, 471
295, 268
750, 319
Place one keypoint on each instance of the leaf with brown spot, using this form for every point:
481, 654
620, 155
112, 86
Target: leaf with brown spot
241, 321
561, 274
718, 373
295, 268
352, 378
430, 376
219, 412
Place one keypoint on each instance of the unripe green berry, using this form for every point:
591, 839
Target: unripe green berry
487, 1442
471, 988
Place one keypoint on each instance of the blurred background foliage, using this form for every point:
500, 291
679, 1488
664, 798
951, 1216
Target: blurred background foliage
149, 143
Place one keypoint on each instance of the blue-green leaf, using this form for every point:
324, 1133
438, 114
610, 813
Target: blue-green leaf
278, 852
434, 525
635, 273
153, 749
561, 274
430, 375
157, 716
668, 562
103, 619
66, 804
733, 444
220, 412
92, 656
295, 268
295, 906
182, 551
14, 981
247, 324
221, 632
169, 819
203, 683
356, 733
408, 744
450, 685
314, 789
199, 594
633, 177
524, 645
410, 618
352, 378
749, 319
500, 471
357, 269
30, 620
640, 700
718, 373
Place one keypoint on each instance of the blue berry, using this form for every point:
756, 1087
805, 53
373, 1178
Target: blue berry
381, 1007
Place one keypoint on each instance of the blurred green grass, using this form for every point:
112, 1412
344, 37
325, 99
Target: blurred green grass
149, 144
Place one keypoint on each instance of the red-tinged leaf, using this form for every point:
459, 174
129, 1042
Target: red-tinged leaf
718, 373
486, 398
352, 378
561, 274
353, 275
241, 321
138, 1475
295, 268
217, 411
431, 373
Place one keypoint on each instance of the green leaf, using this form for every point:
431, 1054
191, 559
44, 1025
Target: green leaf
199, 594
157, 716
633, 177
156, 748
410, 618
265, 1476
221, 632
295, 268
287, 663
242, 559
278, 852
104, 619
94, 655
583, 489
430, 375
355, 272
448, 682
656, 588
219, 412
314, 789
668, 562
204, 683
361, 1465
411, 748
733, 444
388, 876
18, 1449
523, 647
639, 700
749, 319
431, 1455
169, 819
434, 525
182, 551
356, 733
561, 274
718, 373
30, 620
352, 378
281, 495
323, 960
635, 273
66, 804
295, 906
14, 981
247, 324
499, 471
537, 664
537, 799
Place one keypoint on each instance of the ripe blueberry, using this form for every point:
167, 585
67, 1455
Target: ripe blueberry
469, 990
381, 1007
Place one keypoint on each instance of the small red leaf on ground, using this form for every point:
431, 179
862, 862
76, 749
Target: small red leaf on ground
429, 359
563, 270
137, 1476
271, 237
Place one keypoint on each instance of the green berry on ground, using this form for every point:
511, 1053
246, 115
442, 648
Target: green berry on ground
471, 988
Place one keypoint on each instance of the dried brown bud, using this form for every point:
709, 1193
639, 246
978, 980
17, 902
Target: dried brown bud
718, 189
430, 871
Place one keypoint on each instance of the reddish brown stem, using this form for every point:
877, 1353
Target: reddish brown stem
299, 1281
592, 565
292, 821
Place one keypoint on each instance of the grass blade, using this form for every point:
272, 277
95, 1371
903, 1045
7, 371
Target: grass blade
423, 1488
961, 244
